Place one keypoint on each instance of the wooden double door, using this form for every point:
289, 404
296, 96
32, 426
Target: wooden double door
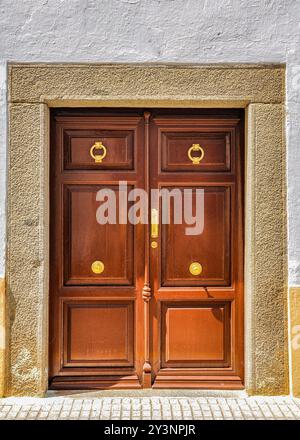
145, 303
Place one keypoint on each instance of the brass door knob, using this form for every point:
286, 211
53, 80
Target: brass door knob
195, 268
97, 267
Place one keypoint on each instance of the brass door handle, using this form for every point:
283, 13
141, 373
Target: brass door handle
98, 157
195, 159
154, 223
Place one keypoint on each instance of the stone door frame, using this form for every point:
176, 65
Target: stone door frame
35, 88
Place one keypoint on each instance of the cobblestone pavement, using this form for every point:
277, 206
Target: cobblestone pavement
149, 408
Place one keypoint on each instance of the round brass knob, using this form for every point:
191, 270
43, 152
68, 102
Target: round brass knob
97, 267
195, 268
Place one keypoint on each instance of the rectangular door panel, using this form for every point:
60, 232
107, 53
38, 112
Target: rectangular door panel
119, 147
98, 333
178, 154
87, 241
195, 334
210, 248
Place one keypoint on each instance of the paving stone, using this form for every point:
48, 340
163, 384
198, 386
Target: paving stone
151, 408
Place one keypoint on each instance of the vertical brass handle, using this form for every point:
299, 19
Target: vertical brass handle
154, 223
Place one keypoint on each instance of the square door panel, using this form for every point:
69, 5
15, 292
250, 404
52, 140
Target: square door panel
210, 249
119, 146
98, 333
86, 241
175, 150
196, 335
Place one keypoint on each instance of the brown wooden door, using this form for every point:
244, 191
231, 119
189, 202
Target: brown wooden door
132, 306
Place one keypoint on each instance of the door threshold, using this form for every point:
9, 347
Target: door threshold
94, 383
139, 393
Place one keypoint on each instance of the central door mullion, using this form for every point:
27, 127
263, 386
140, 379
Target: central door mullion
147, 288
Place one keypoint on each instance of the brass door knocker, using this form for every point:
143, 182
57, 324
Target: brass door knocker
98, 157
195, 159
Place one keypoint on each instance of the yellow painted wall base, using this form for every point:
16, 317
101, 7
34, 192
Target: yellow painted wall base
295, 339
2, 335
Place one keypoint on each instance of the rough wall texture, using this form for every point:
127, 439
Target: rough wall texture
149, 30
243, 84
3, 154
266, 279
27, 253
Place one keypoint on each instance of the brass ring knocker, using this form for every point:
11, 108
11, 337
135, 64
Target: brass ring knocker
98, 157
196, 159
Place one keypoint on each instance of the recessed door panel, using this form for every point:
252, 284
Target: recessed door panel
119, 149
178, 152
98, 333
195, 334
205, 242
87, 241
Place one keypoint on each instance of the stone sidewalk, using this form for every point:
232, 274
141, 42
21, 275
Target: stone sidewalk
193, 406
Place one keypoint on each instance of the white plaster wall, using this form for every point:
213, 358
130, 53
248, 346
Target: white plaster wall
197, 31
3, 149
